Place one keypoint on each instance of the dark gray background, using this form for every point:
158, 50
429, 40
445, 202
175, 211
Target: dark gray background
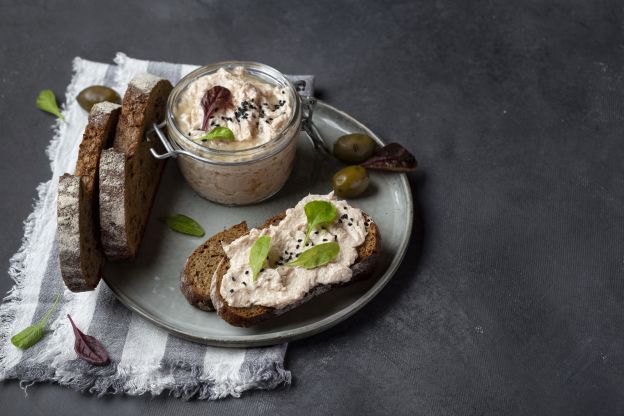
510, 298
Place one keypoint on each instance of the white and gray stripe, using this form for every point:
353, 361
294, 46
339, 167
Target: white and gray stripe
144, 358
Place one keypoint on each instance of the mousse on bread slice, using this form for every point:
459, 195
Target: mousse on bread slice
303, 259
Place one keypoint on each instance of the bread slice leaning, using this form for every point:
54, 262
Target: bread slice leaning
80, 255
129, 174
363, 267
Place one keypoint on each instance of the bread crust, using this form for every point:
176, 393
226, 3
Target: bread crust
363, 267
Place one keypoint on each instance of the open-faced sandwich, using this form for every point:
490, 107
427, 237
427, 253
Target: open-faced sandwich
249, 276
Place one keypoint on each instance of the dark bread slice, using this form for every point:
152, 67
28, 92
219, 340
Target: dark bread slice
129, 175
197, 274
80, 255
363, 267
196, 278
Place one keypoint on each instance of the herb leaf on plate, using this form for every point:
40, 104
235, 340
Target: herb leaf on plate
319, 214
316, 256
88, 348
185, 225
218, 133
46, 101
258, 255
31, 335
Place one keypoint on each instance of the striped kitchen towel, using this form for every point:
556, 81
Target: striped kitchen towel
144, 358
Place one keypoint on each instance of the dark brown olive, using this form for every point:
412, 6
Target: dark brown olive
97, 94
350, 182
354, 148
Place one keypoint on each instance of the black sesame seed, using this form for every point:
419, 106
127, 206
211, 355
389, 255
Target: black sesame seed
245, 283
246, 271
344, 216
324, 239
345, 208
233, 278
315, 232
298, 254
307, 244
351, 219
335, 238
231, 290
261, 270
297, 248
299, 240
350, 224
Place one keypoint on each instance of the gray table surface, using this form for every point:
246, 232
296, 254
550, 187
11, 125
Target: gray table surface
510, 298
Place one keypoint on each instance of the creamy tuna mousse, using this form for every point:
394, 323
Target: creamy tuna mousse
257, 112
263, 117
279, 285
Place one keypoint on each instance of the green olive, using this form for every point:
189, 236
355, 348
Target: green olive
350, 182
354, 148
97, 94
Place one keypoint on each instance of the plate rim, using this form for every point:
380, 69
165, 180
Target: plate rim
313, 328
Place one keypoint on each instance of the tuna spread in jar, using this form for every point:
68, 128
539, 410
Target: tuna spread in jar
235, 125
255, 113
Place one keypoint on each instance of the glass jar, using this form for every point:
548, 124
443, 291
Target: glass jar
241, 176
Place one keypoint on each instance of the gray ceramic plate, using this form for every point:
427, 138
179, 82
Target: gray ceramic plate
148, 285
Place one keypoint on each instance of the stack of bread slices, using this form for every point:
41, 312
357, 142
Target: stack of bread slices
103, 207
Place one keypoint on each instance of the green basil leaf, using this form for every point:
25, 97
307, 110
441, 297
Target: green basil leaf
28, 337
46, 101
258, 255
319, 213
185, 225
317, 256
218, 133
31, 335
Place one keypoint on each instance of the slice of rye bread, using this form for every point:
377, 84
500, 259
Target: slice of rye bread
129, 174
80, 254
196, 276
363, 267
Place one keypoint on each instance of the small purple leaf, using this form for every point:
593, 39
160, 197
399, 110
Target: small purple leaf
393, 157
88, 348
214, 98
